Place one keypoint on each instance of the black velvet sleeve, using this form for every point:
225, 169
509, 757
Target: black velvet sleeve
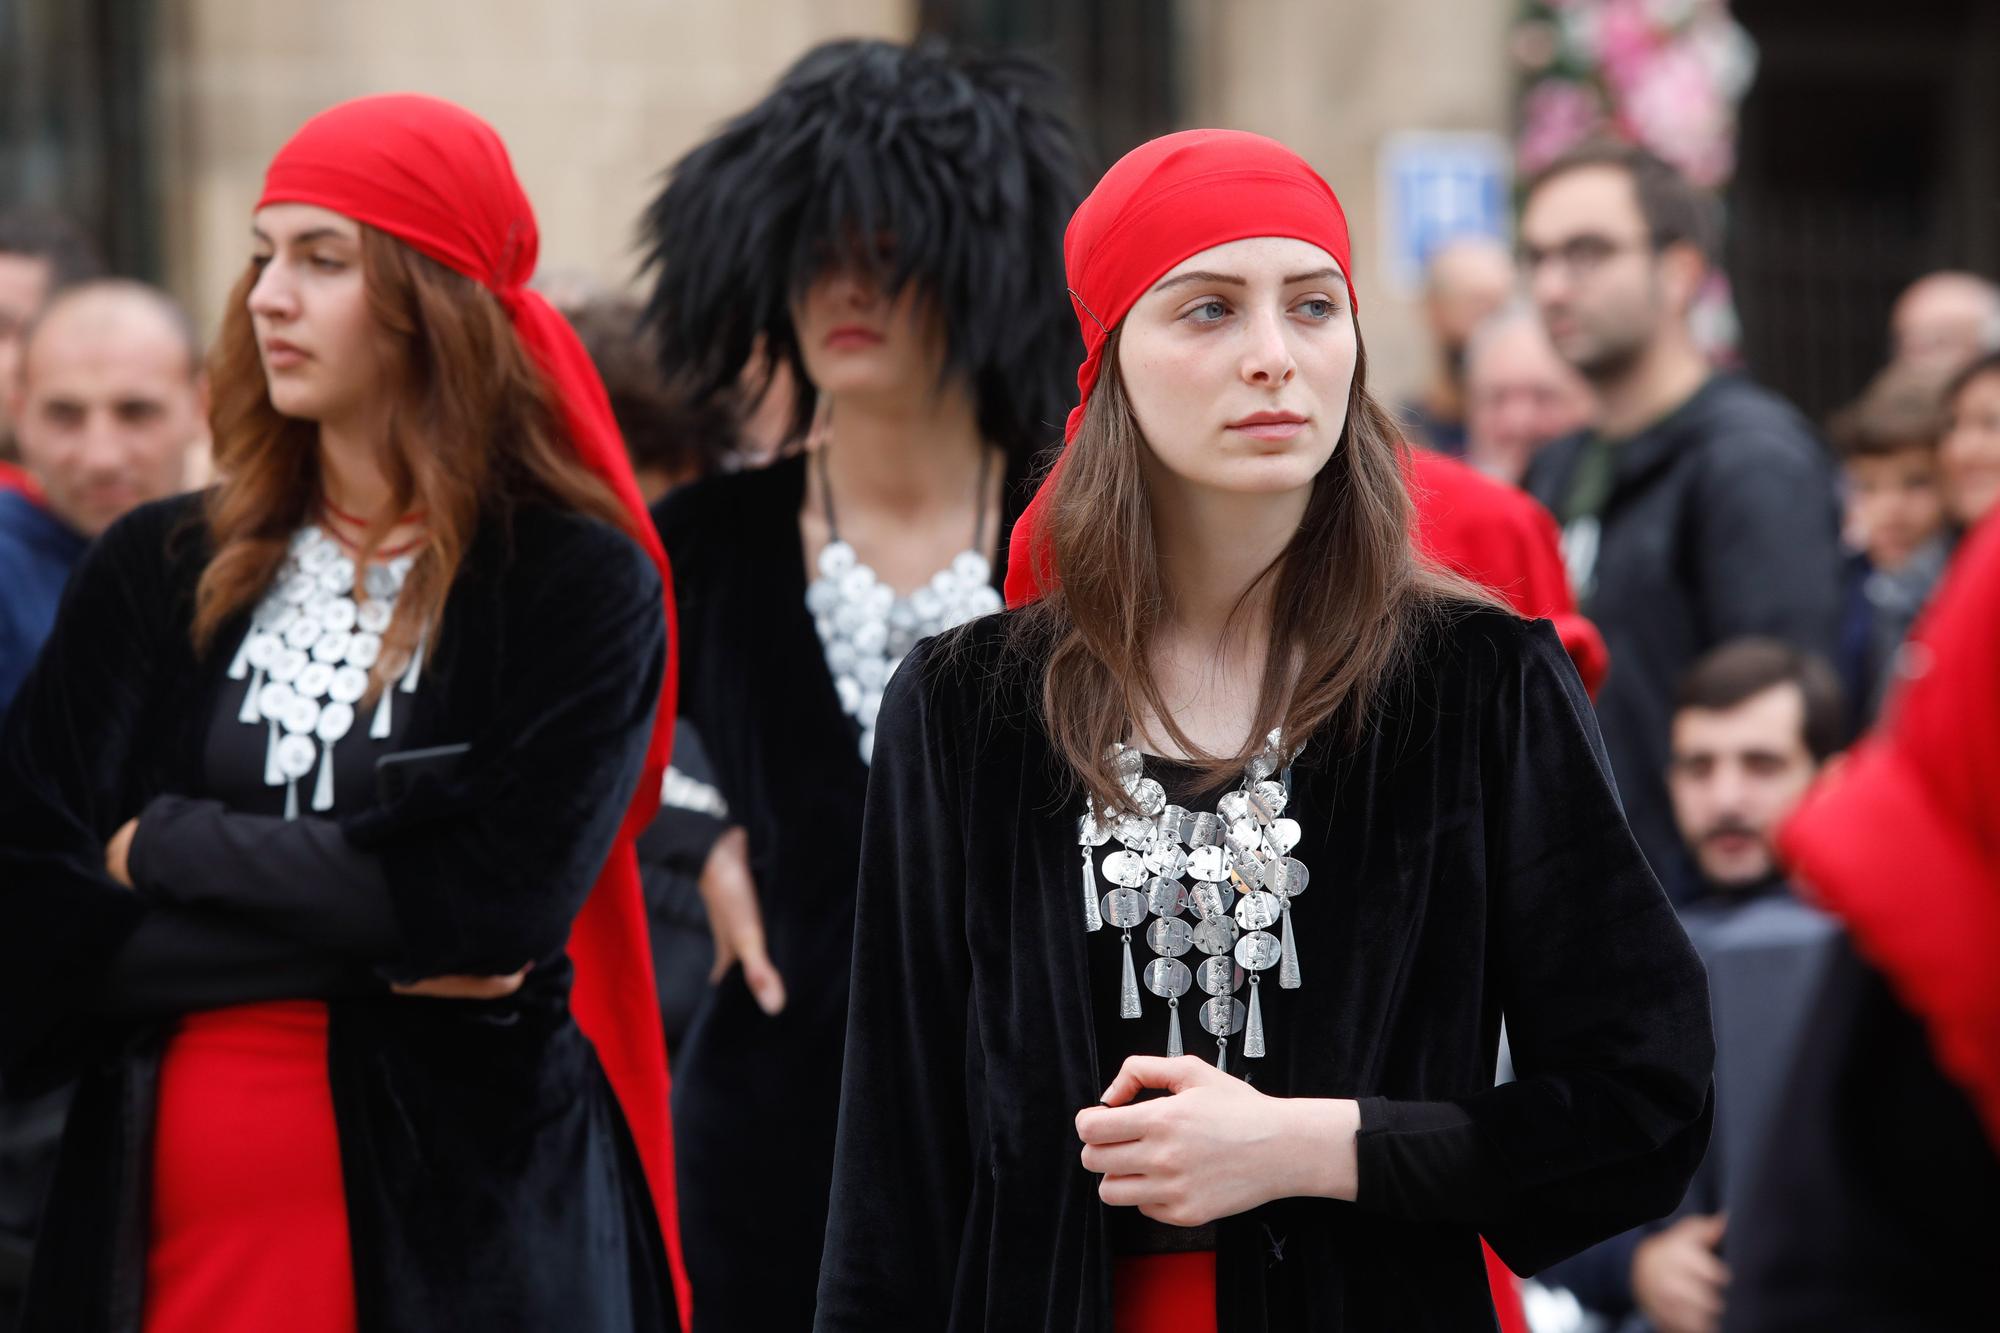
902, 1162
177, 961
487, 868
300, 879
66, 765
1605, 1000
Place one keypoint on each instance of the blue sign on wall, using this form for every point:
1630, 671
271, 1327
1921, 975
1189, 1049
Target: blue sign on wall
1436, 187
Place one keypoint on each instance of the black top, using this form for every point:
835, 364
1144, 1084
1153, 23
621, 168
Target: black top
1468, 863
489, 1176
753, 679
1720, 521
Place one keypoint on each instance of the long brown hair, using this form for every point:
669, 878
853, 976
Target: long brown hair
1347, 592
471, 427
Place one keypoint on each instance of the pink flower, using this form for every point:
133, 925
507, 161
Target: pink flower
1556, 115
1678, 112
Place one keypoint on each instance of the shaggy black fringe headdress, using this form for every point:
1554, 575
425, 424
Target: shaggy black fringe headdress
961, 160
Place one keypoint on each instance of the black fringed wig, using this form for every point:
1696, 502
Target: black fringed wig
962, 162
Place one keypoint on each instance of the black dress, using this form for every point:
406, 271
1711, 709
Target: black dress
490, 1178
1468, 861
755, 1096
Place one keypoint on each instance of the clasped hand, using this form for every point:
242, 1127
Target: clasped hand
1216, 1146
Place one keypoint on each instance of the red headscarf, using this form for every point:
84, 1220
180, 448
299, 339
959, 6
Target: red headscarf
1163, 201
1902, 841
438, 179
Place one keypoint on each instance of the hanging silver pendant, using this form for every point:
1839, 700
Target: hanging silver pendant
1128, 982
1253, 1039
1174, 1028
1288, 957
1093, 920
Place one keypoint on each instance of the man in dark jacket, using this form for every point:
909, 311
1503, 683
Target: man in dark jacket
1756, 722
1700, 508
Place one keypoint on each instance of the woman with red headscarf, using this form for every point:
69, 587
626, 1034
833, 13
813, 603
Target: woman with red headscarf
1111, 1064
316, 813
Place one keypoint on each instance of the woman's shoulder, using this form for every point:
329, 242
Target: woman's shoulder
1458, 636
163, 542
986, 667
552, 550
725, 503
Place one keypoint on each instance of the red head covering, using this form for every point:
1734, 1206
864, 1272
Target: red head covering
1902, 841
1160, 203
438, 179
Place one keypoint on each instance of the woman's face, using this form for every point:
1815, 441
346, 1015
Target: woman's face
857, 343
1238, 362
1969, 456
320, 343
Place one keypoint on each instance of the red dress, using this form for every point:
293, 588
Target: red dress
249, 1215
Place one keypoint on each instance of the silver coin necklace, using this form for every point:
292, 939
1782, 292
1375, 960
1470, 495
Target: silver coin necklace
865, 628
308, 655
1230, 868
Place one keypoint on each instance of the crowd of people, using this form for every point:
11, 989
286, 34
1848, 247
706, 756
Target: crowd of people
904, 669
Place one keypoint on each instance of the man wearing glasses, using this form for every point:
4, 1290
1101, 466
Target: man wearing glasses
1700, 507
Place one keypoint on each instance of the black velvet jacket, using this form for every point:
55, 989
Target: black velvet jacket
490, 1179
1468, 862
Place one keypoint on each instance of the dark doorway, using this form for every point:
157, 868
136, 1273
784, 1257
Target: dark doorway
76, 103
1120, 60
1870, 154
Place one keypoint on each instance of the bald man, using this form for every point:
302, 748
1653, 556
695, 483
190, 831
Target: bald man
1943, 322
108, 403
1519, 394
1467, 280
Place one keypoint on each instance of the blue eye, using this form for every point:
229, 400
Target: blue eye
1319, 308
1207, 312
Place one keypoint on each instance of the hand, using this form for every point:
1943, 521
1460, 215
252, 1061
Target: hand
464, 987
118, 852
1677, 1280
1216, 1147
730, 895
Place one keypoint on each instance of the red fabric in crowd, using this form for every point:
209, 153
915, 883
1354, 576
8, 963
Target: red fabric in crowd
237, 1244
1498, 536
1902, 841
1506, 1293
437, 178
1165, 200
1163, 1293
14, 477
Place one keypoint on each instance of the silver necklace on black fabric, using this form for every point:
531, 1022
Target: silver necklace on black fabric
307, 656
865, 628
1242, 847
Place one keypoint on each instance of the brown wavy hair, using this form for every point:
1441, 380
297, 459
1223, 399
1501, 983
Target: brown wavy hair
472, 429
1347, 593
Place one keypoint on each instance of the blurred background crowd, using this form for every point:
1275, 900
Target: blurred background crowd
1752, 373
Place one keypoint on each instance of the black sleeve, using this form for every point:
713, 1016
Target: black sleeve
902, 1161
67, 781
177, 961
488, 868
1606, 1005
300, 879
